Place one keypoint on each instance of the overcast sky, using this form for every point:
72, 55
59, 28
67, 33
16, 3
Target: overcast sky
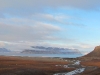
59, 23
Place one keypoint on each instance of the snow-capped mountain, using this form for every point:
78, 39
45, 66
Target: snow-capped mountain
4, 50
50, 50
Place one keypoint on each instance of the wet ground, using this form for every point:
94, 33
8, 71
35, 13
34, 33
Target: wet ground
79, 68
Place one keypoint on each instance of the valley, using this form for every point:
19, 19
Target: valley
24, 65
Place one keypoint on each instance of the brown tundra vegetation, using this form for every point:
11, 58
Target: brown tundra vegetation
31, 66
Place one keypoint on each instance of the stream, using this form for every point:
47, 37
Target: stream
76, 64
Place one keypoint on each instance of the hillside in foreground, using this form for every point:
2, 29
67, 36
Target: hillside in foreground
95, 53
92, 59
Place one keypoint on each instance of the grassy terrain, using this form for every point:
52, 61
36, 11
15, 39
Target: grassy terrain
93, 67
31, 66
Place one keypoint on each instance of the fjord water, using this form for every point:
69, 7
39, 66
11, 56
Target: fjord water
39, 55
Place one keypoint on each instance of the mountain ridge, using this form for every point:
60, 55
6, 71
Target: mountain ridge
4, 50
50, 50
94, 53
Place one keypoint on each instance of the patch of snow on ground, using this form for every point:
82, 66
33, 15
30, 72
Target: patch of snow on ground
77, 62
57, 65
66, 66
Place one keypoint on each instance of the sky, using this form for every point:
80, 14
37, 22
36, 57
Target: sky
70, 24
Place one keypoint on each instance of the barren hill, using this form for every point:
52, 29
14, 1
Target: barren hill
94, 53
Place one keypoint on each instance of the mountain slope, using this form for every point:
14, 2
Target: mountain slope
94, 53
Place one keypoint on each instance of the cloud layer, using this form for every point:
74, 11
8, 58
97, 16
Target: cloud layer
43, 22
83, 4
36, 32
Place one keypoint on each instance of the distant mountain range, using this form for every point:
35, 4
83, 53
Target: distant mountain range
4, 50
50, 50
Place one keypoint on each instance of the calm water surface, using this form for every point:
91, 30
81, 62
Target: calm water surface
40, 55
